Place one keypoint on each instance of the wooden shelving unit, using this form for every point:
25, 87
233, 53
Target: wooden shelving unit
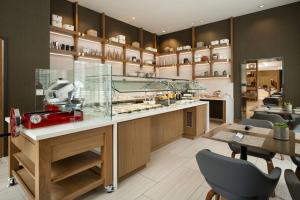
209, 77
64, 167
103, 42
69, 188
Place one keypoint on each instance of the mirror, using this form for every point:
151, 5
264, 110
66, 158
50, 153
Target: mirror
261, 84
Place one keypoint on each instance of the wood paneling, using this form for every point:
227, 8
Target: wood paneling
166, 128
195, 120
133, 145
148, 39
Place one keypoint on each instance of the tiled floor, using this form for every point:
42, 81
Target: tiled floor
172, 174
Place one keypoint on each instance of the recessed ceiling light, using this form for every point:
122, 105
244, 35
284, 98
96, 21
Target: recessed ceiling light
193, 23
261, 6
201, 21
163, 31
133, 18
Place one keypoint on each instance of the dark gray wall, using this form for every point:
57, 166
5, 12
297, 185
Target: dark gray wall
175, 39
25, 27
214, 31
266, 34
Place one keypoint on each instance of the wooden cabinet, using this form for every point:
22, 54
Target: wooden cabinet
195, 121
133, 145
166, 128
63, 167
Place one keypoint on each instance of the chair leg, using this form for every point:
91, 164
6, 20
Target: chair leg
211, 193
233, 155
270, 169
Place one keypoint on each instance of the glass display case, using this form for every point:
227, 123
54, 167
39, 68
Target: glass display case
136, 94
85, 88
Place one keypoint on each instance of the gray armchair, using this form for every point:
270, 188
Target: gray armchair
268, 156
293, 184
235, 179
274, 118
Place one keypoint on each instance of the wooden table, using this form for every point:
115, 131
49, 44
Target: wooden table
260, 138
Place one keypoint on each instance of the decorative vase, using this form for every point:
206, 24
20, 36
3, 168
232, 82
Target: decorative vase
281, 133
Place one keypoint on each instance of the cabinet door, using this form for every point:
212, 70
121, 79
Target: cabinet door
134, 145
195, 120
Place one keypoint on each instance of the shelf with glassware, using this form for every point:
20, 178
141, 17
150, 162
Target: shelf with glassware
207, 62
71, 43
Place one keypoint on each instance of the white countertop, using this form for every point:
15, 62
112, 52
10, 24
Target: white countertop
214, 98
68, 128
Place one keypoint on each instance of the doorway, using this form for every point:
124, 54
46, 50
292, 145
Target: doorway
262, 82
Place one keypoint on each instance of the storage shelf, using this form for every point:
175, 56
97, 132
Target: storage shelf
202, 48
173, 65
69, 166
63, 31
202, 63
219, 46
211, 77
62, 52
26, 163
221, 61
133, 63
186, 64
91, 38
150, 65
91, 56
64, 168
117, 44
69, 188
185, 51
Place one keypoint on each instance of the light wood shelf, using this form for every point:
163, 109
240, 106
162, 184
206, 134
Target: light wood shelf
69, 188
63, 31
91, 38
26, 163
69, 166
63, 52
65, 168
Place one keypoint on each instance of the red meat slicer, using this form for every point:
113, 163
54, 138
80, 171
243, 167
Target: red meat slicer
61, 105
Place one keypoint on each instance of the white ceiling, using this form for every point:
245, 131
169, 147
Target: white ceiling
173, 15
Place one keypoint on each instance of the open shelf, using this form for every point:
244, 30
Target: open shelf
185, 51
69, 166
26, 163
211, 77
64, 168
173, 65
117, 44
185, 64
219, 46
91, 38
133, 48
221, 61
202, 48
202, 63
90, 56
62, 52
63, 31
26, 182
69, 188
133, 63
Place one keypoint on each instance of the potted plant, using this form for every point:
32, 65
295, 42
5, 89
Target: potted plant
281, 131
288, 106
